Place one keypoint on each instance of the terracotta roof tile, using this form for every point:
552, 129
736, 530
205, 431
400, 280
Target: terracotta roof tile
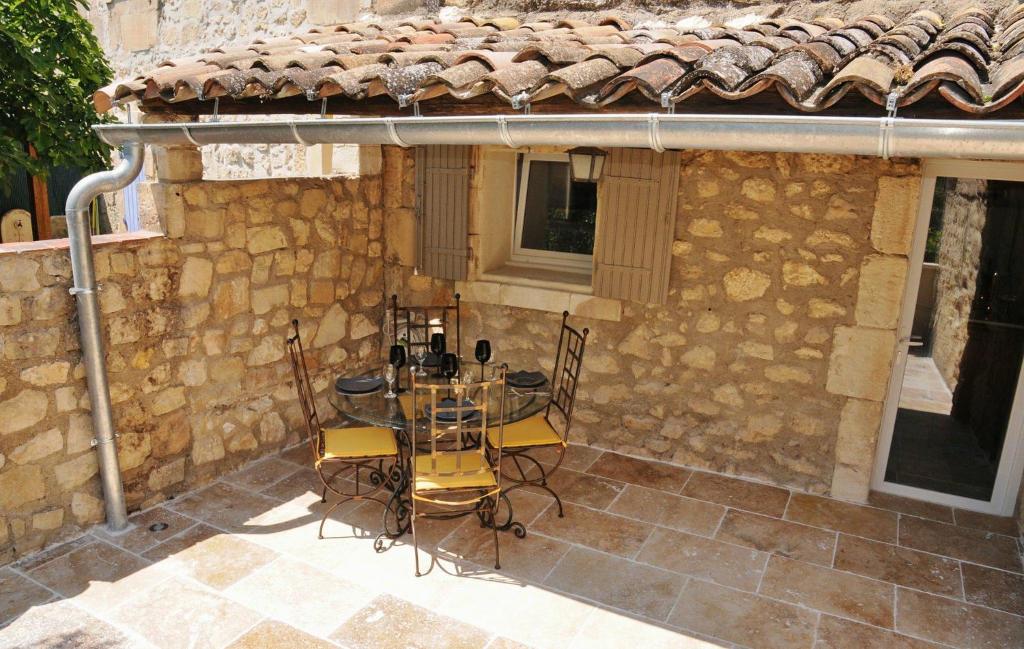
972, 60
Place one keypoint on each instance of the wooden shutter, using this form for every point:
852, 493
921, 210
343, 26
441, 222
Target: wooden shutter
442, 210
636, 214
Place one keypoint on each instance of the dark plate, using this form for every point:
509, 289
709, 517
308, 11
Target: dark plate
358, 384
450, 416
524, 379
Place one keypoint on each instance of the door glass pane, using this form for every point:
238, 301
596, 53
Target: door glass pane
559, 214
966, 344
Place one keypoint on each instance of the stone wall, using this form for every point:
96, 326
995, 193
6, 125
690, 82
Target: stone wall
195, 324
959, 255
772, 356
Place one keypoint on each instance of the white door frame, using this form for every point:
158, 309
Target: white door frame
1011, 461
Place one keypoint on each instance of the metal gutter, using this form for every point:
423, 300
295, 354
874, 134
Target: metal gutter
84, 290
875, 136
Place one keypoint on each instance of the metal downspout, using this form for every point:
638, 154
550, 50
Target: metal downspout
84, 290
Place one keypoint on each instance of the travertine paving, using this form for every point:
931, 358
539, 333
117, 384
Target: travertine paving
648, 555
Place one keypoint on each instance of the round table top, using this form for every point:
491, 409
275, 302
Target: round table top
376, 410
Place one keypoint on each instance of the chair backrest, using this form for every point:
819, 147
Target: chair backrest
566, 374
421, 321
307, 398
486, 411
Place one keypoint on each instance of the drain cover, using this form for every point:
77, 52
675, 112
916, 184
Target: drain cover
158, 527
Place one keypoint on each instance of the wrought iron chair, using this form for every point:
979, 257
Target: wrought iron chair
456, 480
522, 439
419, 322
370, 453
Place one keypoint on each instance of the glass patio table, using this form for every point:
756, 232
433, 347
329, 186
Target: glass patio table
375, 409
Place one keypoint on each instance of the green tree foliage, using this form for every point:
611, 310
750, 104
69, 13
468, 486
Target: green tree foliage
51, 64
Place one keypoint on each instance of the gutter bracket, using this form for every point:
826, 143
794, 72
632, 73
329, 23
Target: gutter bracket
506, 137
298, 138
389, 123
666, 103
323, 108
216, 110
188, 136
887, 125
653, 133
80, 290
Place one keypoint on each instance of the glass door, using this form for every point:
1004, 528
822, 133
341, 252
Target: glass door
952, 427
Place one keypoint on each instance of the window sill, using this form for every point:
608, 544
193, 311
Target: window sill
540, 290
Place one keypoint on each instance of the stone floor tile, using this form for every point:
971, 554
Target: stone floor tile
299, 454
830, 591
791, 540
955, 623
139, 537
260, 475
210, 556
899, 565
646, 473
869, 522
301, 487
580, 488
577, 456
606, 629
391, 622
739, 494
271, 634
743, 618
964, 543
306, 597
669, 510
911, 507
224, 506
837, 633
177, 614
61, 625
594, 529
986, 522
994, 588
526, 506
98, 576
531, 557
18, 594
37, 559
697, 556
621, 583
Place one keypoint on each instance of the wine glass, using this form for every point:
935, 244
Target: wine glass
449, 366
421, 357
389, 375
483, 353
396, 356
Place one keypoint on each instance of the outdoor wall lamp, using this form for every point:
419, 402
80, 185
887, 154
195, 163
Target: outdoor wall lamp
586, 163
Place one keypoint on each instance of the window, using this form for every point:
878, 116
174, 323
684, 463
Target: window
555, 216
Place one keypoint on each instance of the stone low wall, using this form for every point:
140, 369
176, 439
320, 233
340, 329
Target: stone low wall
195, 324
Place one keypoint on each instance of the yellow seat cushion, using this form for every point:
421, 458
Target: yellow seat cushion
370, 441
480, 475
532, 431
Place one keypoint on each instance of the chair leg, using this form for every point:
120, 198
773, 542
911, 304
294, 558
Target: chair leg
494, 530
323, 496
320, 534
415, 541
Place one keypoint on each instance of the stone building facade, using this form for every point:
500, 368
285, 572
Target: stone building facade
769, 360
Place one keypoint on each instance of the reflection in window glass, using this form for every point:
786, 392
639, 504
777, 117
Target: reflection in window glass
559, 213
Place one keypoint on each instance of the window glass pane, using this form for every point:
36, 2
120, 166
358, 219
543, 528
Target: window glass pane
559, 214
